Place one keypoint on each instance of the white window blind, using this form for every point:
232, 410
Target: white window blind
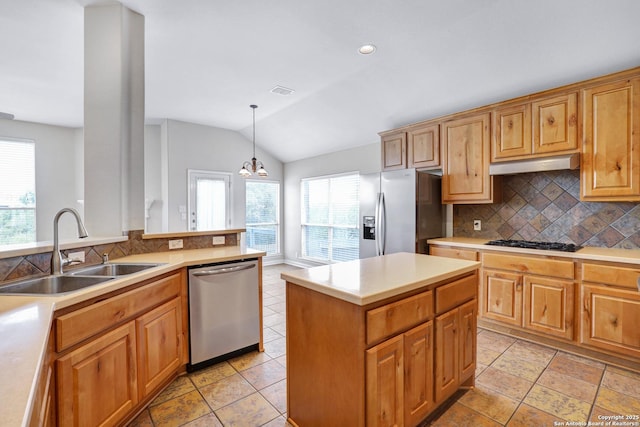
17, 192
330, 211
263, 216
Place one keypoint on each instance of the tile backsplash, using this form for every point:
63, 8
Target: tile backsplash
546, 206
39, 264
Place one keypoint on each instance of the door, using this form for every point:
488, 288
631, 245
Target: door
384, 384
399, 189
418, 378
548, 306
423, 147
468, 335
555, 124
447, 355
368, 193
502, 297
97, 383
209, 200
394, 151
511, 132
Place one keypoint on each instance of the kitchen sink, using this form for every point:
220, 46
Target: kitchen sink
51, 285
113, 269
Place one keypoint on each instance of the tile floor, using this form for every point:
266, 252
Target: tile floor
517, 384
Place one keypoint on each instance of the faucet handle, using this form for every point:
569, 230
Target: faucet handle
105, 258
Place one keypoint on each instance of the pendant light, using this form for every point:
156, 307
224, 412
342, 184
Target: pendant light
254, 165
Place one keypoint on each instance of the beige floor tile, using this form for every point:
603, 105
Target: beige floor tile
583, 360
252, 411
179, 386
510, 385
280, 328
274, 319
577, 369
625, 384
619, 403
278, 422
226, 391
265, 374
480, 369
142, 420
249, 360
269, 334
487, 356
516, 365
276, 348
535, 353
212, 374
624, 372
276, 394
494, 341
557, 404
597, 413
528, 416
180, 410
209, 420
489, 403
568, 385
461, 416
282, 360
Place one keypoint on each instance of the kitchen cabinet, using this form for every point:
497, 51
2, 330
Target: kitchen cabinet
610, 169
394, 151
452, 252
511, 132
43, 408
113, 353
423, 146
465, 172
610, 309
534, 293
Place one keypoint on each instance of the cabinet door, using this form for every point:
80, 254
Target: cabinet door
555, 124
611, 159
468, 254
97, 383
394, 151
465, 172
159, 345
418, 378
385, 384
548, 306
610, 319
511, 132
502, 297
468, 314
447, 355
423, 147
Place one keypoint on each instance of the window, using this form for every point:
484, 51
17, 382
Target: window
208, 200
263, 216
17, 192
330, 211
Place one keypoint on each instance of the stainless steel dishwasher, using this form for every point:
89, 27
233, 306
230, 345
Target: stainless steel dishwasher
224, 312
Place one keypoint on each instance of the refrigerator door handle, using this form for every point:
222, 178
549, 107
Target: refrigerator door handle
381, 219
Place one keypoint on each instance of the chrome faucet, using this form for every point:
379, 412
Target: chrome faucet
57, 260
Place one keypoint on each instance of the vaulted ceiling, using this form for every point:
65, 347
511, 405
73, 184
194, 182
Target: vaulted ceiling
207, 60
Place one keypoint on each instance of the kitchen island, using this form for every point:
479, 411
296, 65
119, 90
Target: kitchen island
379, 341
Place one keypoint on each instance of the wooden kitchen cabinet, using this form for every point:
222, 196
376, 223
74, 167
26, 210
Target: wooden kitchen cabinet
97, 383
511, 132
394, 151
423, 146
502, 297
385, 383
419, 377
549, 306
465, 172
610, 169
453, 252
555, 124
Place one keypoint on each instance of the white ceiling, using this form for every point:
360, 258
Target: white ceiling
207, 60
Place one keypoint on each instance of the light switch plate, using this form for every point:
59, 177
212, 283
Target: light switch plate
175, 244
218, 240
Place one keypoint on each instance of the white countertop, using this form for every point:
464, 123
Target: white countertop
629, 256
368, 280
25, 322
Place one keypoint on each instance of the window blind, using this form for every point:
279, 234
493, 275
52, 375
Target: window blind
262, 217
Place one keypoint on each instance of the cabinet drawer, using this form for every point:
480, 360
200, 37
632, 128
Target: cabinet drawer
453, 253
88, 321
524, 264
398, 316
455, 293
611, 275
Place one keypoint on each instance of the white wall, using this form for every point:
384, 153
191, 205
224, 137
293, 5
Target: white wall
56, 150
181, 146
153, 177
364, 159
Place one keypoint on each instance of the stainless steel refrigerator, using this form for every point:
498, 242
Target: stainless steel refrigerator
399, 211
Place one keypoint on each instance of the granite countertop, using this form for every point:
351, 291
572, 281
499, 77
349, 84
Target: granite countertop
369, 280
628, 256
25, 322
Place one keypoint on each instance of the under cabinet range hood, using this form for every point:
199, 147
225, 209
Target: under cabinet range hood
568, 161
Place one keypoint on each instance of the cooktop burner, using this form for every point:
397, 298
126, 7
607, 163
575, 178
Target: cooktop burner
550, 246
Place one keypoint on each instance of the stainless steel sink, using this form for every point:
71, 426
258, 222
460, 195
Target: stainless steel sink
52, 285
113, 269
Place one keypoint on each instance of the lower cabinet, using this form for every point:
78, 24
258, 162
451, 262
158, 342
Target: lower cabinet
115, 353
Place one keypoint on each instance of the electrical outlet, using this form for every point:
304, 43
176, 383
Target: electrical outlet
477, 225
76, 256
175, 244
219, 240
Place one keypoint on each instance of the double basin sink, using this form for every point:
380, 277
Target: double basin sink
74, 280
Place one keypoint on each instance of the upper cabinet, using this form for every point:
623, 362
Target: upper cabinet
465, 170
423, 143
539, 128
394, 151
611, 134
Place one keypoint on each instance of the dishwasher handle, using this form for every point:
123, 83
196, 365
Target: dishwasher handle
223, 270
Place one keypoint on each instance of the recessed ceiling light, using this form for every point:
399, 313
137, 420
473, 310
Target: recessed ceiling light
281, 90
367, 49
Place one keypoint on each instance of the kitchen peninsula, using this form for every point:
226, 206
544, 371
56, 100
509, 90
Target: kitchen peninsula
379, 341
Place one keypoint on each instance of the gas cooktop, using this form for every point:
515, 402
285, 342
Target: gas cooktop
549, 246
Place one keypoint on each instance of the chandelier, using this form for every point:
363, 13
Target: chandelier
253, 165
